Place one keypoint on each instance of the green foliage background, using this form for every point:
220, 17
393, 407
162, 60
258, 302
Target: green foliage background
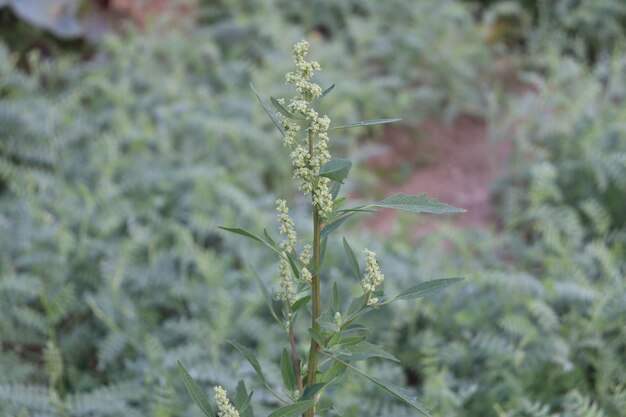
115, 172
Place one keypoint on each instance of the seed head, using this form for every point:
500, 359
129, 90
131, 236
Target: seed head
373, 276
225, 408
287, 227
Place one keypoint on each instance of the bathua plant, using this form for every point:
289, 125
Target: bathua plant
337, 339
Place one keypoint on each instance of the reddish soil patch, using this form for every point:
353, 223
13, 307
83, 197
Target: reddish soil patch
141, 10
455, 164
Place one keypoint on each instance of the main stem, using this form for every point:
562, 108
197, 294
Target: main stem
315, 298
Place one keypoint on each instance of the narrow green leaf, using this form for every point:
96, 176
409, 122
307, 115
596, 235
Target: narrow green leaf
322, 251
400, 393
242, 400
334, 189
366, 350
416, 204
361, 209
352, 258
336, 371
287, 371
283, 110
269, 112
249, 355
339, 202
336, 169
311, 390
357, 307
249, 235
242, 232
335, 223
301, 302
427, 288
293, 410
327, 325
336, 299
324, 93
269, 300
195, 392
294, 267
326, 320
367, 123
355, 327
348, 341
317, 337
269, 239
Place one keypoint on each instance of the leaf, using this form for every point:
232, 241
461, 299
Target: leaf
269, 239
317, 337
334, 189
311, 390
336, 169
367, 123
242, 232
348, 341
355, 327
339, 202
328, 90
352, 258
335, 223
336, 371
361, 209
427, 288
242, 400
195, 392
336, 299
283, 110
416, 204
266, 295
294, 267
301, 302
269, 112
327, 325
287, 371
293, 410
400, 393
366, 350
249, 235
249, 355
357, 307
322, 251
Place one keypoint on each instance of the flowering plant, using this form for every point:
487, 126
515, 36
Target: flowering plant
332, 329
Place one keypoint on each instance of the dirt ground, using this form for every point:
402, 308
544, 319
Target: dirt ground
455, 164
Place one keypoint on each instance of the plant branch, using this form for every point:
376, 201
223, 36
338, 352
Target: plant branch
315, 299
294, 356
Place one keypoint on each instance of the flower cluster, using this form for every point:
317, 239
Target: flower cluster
305, 255
287, 227
225, 408
287, 290
311, 152
373, 277
304, 72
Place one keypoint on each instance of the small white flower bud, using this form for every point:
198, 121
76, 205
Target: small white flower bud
373, 277
338, 319
287, 227
225, 408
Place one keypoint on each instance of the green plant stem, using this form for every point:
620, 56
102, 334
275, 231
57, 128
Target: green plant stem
294, 355
315, 299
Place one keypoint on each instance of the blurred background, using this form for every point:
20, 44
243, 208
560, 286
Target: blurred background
128, 133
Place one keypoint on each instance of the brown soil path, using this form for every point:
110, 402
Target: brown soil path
455, 164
